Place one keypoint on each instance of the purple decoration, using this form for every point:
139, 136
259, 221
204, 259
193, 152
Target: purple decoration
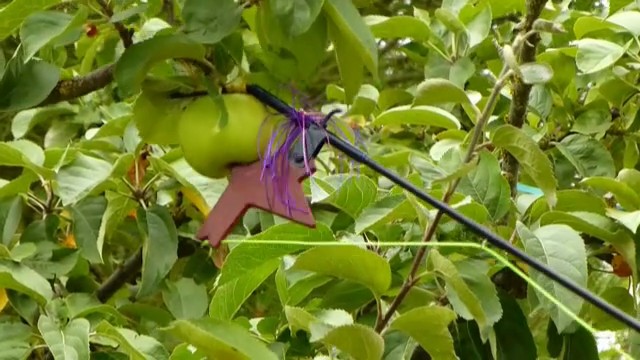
275, 160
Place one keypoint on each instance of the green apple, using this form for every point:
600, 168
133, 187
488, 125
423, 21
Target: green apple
211, 150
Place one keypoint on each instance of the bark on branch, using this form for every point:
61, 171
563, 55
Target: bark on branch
79, 86
521, 91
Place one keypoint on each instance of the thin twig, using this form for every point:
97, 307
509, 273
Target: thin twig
125, 34
167, 7
121, 276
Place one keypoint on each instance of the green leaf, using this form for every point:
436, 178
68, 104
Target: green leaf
81, 304
467, 342
350, 67
350, 194
44, 27
400, 26
593, 121
597, 226
10, 216
14, 343
160, 247
25, 120
595, 55
629, 20
229, 297
631, 220
468, 304
504, 7
562, 249
587, 155
620, 298
350, 263
25, 280
184, 352
208, 24
475, 274
533, 73
623, 193
15, 12
439, 91
245, 257
87, 224
365, 101
26, 85
450, 20
221, 339
209, 190
79, 178
532, 160
186, 299
318, 322
513, 325
65, 341
486, 185
479, 26
580, 345
435, 338
589, 223
587, 24
136, 346
137, 60
384, 211
308, 48
423, 115
355, 31
359, 341
296, 16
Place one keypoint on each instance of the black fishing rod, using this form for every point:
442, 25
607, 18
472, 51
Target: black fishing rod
361, 157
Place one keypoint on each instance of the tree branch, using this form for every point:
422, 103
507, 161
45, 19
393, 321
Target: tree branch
125, 34
80, 85
521, 91
121, 276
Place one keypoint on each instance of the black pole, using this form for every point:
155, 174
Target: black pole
480, 230
359, 156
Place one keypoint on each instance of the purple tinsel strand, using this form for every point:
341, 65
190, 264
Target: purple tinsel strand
275, 162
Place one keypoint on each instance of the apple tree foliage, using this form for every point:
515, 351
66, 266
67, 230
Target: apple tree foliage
522, 114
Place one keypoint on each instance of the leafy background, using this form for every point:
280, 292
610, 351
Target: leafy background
521, 114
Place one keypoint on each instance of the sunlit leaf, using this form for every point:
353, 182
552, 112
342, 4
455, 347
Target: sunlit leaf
424, 115
562, 249
435, 338
220, 339
350, 263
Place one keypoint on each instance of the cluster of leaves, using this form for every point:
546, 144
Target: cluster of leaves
97, 250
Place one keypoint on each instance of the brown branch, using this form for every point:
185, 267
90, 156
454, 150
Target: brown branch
167, 7
121, 276
81, 85
125, 34
521, 91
